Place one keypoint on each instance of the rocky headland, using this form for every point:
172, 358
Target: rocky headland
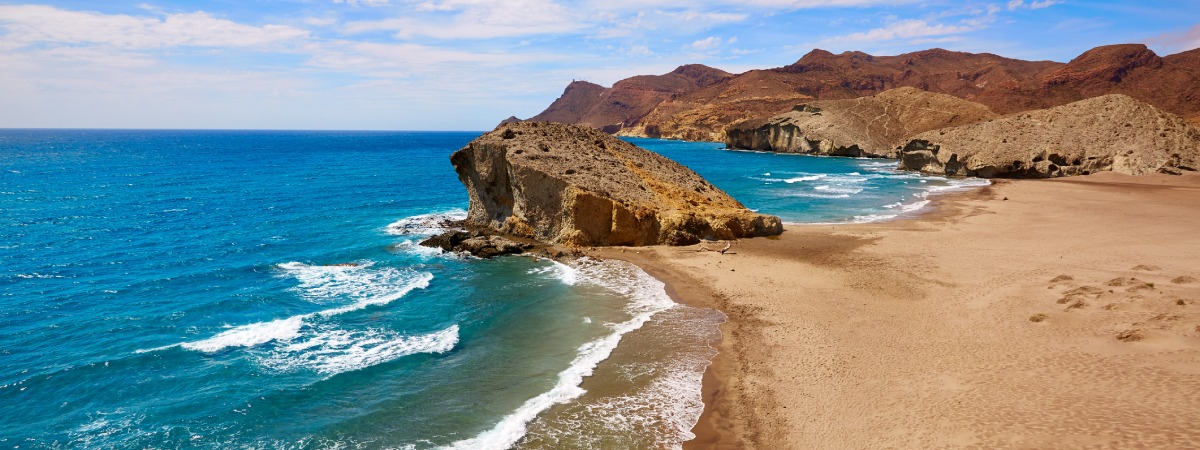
574, 186
1107, 133
873, 126
698, 102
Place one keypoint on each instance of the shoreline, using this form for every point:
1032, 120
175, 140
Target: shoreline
775, 365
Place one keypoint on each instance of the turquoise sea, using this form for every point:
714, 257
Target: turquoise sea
263, 289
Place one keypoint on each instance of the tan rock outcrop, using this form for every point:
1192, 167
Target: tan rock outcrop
873, 126
1108, 133
572, 185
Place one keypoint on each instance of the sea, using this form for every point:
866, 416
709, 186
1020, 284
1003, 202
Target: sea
265, 290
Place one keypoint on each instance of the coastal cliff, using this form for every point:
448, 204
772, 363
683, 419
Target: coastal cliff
573, 185
1108, 133
871, 126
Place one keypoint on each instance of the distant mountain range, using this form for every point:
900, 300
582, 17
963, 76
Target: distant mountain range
697, 102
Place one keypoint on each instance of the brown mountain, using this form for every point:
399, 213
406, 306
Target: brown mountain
1006, 85
620, 106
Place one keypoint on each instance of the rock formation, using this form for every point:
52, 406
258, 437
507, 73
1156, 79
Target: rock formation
477, 243
572, 185
1112, 132
701, 111
866, 126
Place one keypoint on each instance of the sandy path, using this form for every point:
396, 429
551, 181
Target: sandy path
918, 333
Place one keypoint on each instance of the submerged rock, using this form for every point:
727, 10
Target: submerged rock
1108, 133
572, 185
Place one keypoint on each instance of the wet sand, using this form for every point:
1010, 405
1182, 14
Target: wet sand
1033, 313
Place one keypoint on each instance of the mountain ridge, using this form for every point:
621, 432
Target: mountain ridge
698, 103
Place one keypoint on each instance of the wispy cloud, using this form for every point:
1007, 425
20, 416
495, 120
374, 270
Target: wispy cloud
1014, 5
364, 2
32, 24
475, 19
1177, 41
901, 30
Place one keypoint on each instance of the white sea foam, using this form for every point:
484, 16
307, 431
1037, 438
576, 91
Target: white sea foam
250, 335
834, 189
333, 351
952, 185
416, 248
322, 282
804, 178
648, 297
424, 224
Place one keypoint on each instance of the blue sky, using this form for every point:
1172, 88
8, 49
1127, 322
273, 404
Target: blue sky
467, 64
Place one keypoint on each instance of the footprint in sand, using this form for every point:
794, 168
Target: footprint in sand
1120, 281
1062, 278
1130, 335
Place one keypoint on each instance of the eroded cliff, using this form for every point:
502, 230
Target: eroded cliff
573, 185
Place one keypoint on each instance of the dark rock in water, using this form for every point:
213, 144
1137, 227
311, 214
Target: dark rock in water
476, 243
572, 185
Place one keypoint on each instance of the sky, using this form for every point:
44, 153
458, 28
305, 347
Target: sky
467, 64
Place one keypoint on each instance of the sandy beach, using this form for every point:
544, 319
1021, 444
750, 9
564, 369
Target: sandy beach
1030, 314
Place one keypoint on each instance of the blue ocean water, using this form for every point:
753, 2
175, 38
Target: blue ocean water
261, 289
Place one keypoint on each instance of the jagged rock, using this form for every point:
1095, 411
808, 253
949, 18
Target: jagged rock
862, 127
567, 184
476, 243
1107, 133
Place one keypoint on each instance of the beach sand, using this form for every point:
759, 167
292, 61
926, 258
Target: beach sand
1032, 313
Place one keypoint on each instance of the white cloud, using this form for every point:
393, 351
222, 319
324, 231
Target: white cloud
1014, 5
900, 30
30, 24
711, 44
639, 50
364, 2
476, 19
627, 5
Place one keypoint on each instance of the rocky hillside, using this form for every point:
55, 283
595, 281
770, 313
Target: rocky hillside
1006, 85
620, 106
873, 126
572, 185
1108, 133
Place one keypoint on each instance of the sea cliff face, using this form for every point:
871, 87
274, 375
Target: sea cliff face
572, 185
871, 126
1108, 133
